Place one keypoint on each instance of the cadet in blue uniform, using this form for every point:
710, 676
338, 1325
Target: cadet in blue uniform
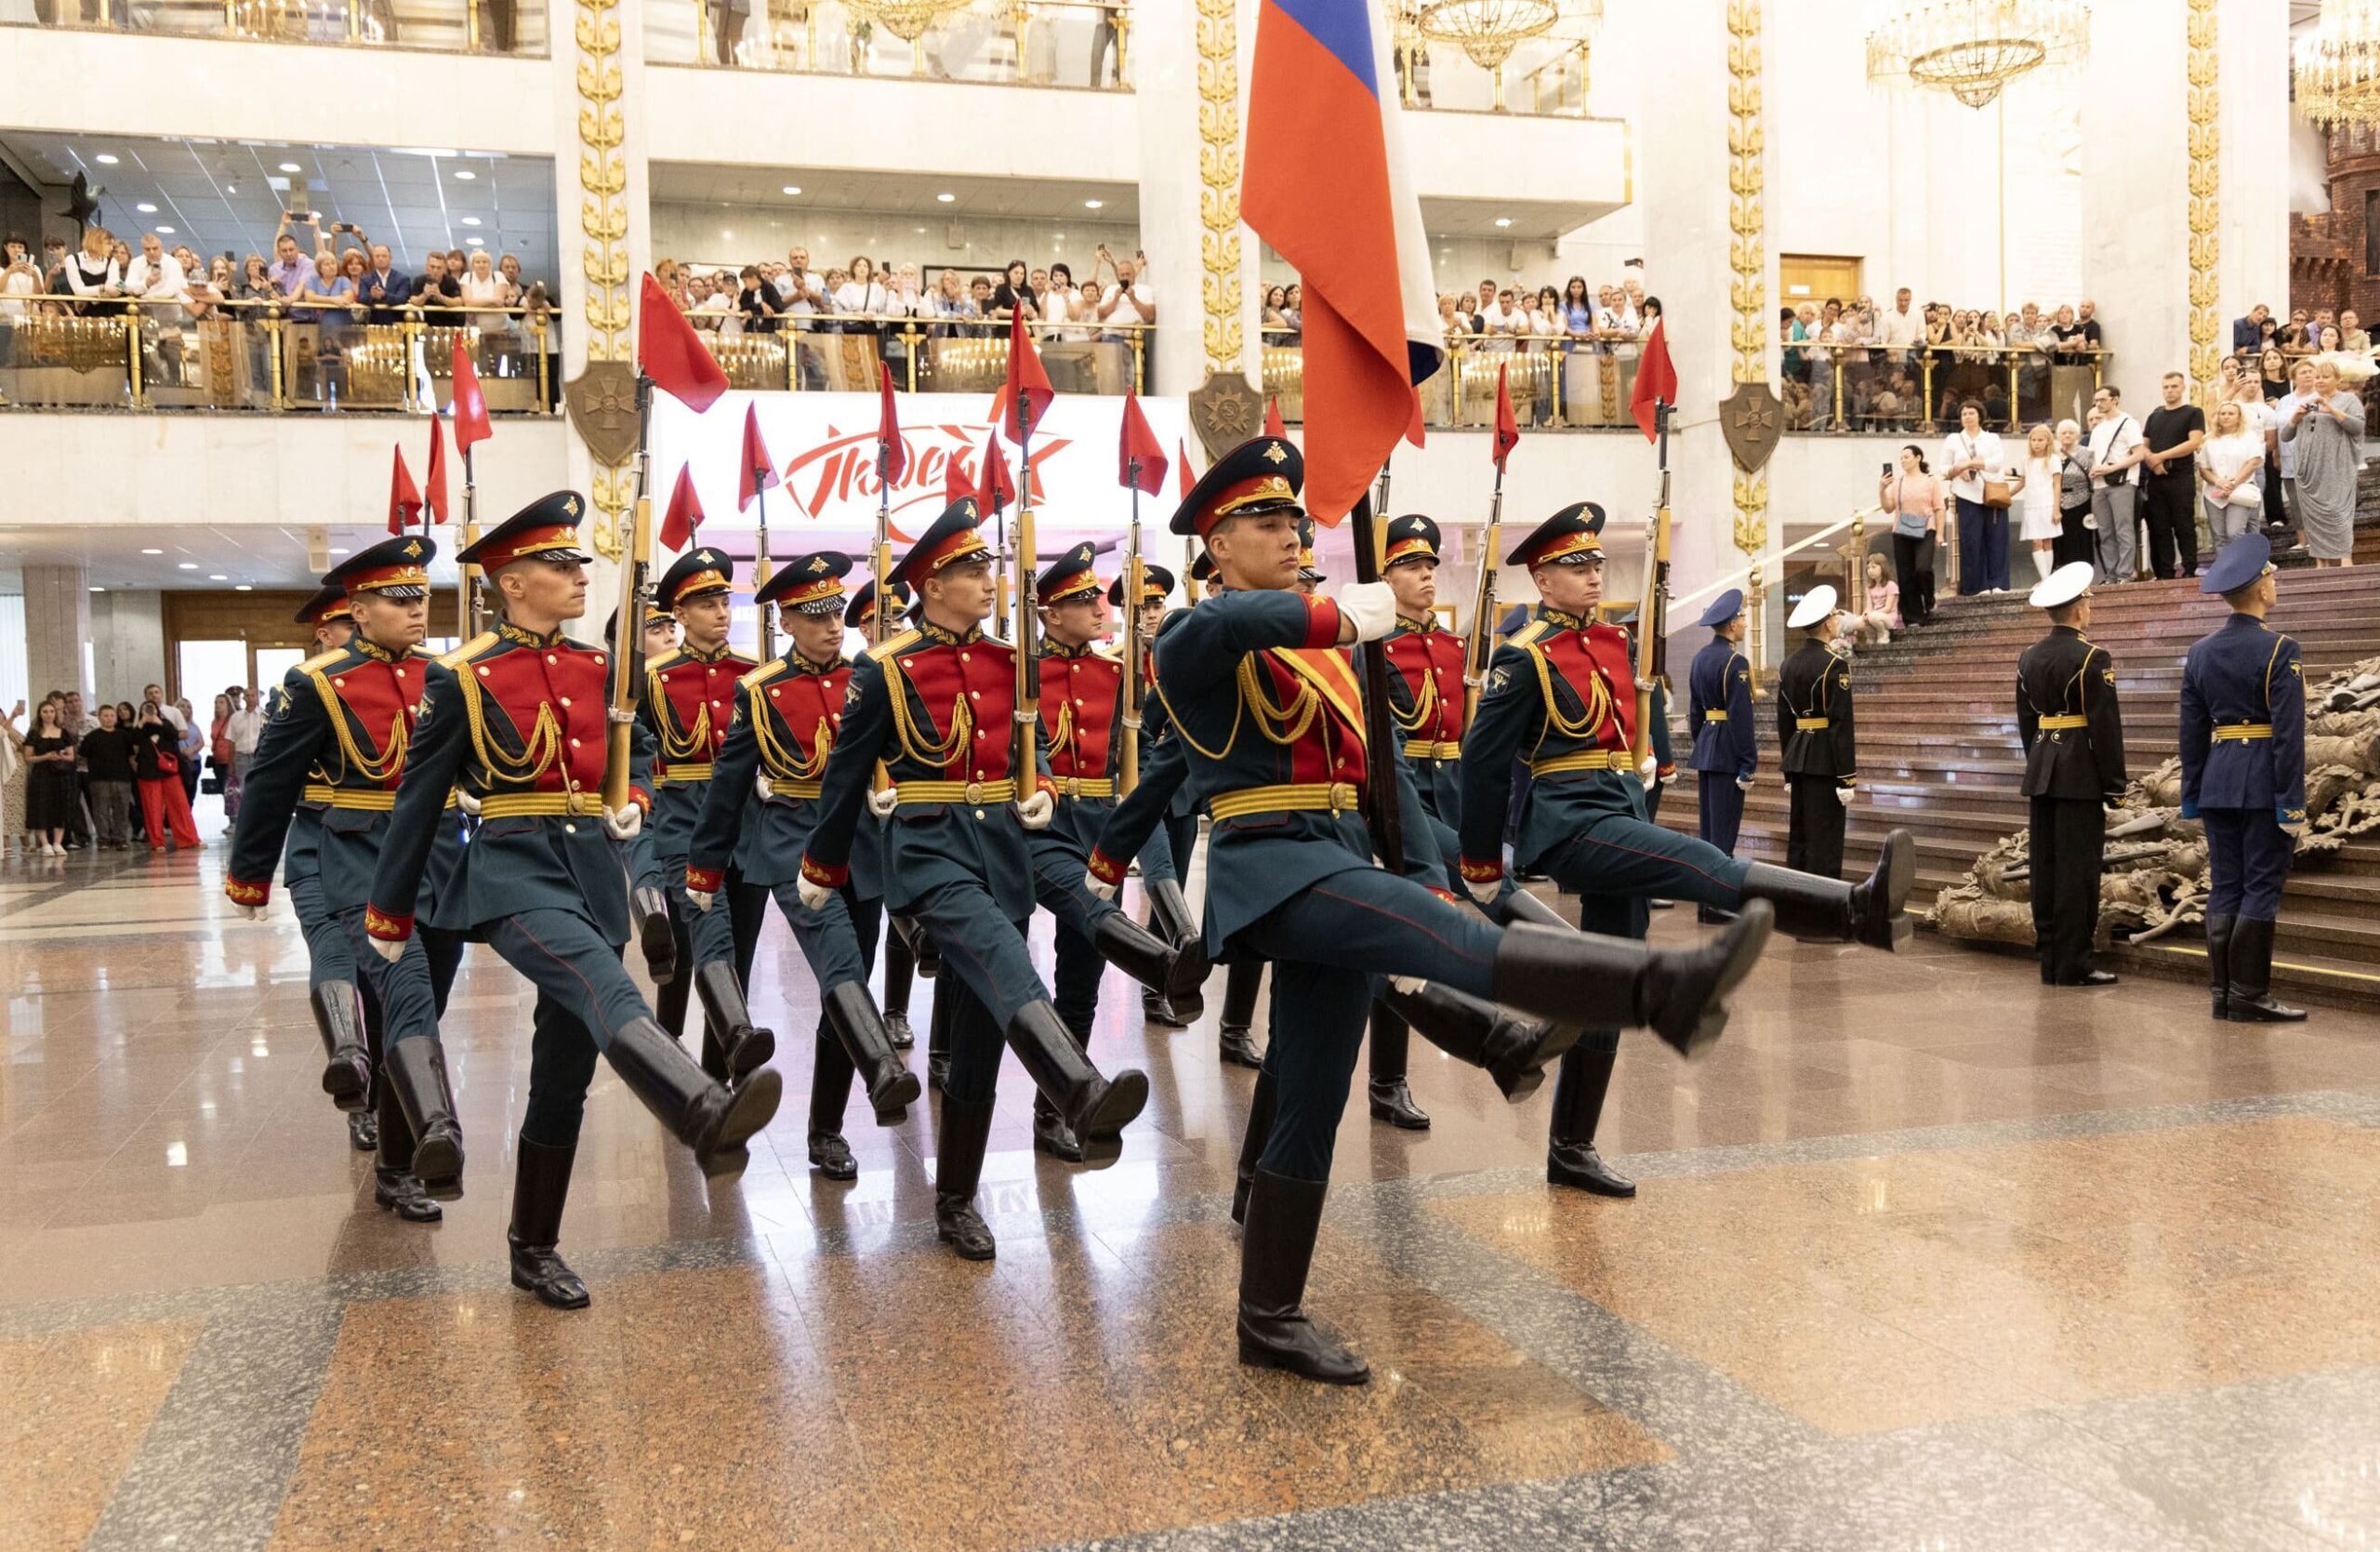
331, 969
520, 717
2072, 732
1718, 718
785, 717
1815, 730
688, 700
1267, 708
900, 962
936, 705
1560, 695
2243, 776
1160, 876
326, 771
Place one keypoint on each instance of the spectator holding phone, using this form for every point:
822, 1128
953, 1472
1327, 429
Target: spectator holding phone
156, 763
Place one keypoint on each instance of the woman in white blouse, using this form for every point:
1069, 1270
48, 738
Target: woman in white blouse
861, 297
1971, 455
484, 293
2230, 464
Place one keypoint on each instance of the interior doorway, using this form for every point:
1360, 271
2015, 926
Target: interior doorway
1813, 277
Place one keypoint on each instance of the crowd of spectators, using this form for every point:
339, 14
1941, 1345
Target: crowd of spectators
1895, 367
878, 297
108, 777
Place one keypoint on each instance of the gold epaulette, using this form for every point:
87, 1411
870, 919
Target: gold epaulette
654, 665
322, 661
469, 650
1528, 635
762, 675
891, 645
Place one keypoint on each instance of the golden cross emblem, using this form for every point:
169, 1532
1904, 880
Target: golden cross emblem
1751, 417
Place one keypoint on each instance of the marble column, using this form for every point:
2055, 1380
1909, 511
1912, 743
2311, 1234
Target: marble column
57, 623
1702, 188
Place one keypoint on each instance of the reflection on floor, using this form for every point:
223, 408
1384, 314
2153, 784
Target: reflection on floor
1927, 1256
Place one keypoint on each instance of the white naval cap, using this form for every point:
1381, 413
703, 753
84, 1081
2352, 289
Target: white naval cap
1816, 608
2065, 585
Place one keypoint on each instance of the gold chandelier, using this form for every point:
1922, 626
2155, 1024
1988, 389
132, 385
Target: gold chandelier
1973, 48
910, 20
2337, 66
1488, 31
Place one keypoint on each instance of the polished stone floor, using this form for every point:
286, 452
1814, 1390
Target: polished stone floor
1926, 1257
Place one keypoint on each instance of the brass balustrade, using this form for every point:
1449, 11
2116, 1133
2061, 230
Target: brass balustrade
502, 27
67, 351
1021, 42
825, 352
1559, 382
1831, 387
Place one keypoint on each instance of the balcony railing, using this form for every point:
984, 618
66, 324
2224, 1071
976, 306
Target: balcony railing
838, 353
1581, 385
1072, 44
259, 357
436, 26
1833, 388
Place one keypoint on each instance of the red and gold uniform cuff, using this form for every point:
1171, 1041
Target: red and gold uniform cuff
1105, 869
1321, 622
1665, 771
1481, 872
643, 799
705, 880
818, 872
245, 894
387, 928
1446, 894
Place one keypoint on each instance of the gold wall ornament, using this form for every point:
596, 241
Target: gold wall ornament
1749, 329
603, 222
1972, 49
1218, 31
2206, 196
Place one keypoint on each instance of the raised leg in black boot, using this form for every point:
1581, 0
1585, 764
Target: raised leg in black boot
1578, 1090
395, 1185
1391, 1099
1511, 1050
1829, 911
699, 1111
741, 1045
1091, 1106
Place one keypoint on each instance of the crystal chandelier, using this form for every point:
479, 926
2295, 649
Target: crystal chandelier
910, 20
2337, 66
1973, 48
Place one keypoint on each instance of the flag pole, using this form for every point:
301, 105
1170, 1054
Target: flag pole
1028, 677
1482, 644
1381, 754
471, 614
627, 626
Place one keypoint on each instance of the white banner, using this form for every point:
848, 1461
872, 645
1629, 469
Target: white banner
823, 448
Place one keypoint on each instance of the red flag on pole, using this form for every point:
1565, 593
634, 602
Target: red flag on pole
471, 404
888, 430
685, 513
1655, 379
993, 487
956, 483
672, 353
1139, 445
759, 471
1273, 426
405, 498
1507, 428
434, 487
1024, 377
1182, 480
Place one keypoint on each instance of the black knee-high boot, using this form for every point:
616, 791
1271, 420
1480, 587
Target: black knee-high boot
1261, 1108
1578, 1090
959, 1165
867, 1043
830, 1091
1391, 1098
671, 996
1680, 994
1091, 1106
699, 1111
1242, 980
938, 1045
733, 1044
416, 1070
2218, 962
2251, 1000
395, 1185
540, 1185
1170, 920
900, 971
1275, 1253
1512, 1050
1831, 911
347, 1062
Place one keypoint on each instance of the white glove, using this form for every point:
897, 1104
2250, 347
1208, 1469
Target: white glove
1670, 780
1036, 812
1368, 608
1649, 770
1842, 796
392, 953
467, 802
2295, 832
761, 785
1099, 888
882, 804
701, 897
623, 824
1484, 892
1409, 985
253, 913
1743, 783
813, 895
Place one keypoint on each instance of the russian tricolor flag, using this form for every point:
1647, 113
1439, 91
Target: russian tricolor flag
1326, 185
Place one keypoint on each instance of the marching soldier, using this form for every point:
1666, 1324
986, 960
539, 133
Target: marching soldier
1559, 694
1821, 756
1160, 878
2243, 776
786, 714
936, 704
520, 717
1718, 718
688, 700
1268, 711
2072, 732
326, 771
900, 962
330, 958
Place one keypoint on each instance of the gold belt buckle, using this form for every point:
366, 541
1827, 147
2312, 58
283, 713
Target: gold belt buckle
974, 794
1340, 798
1072, 787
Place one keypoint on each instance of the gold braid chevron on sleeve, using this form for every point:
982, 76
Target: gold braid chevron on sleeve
2206, 196
1747, 248
1218, 27
603, 221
